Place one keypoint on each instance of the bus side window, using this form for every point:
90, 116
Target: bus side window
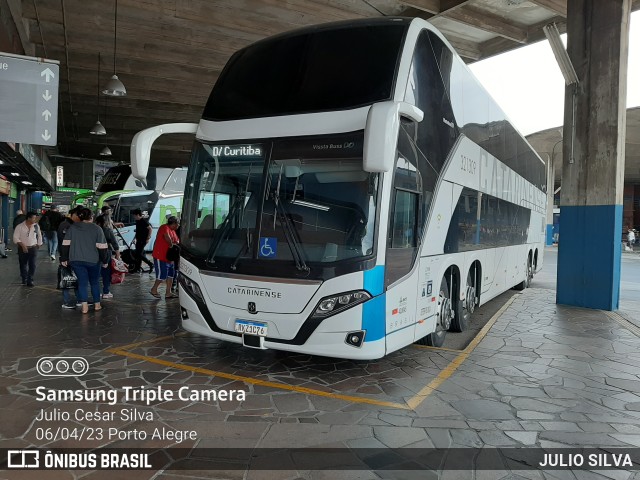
403, 228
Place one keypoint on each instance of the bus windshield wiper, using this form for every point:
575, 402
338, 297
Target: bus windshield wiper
246, 247
239, 201
289, 230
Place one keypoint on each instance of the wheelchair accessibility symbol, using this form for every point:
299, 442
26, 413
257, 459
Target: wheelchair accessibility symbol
268, 247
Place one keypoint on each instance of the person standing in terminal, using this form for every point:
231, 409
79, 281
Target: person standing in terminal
143, 235
85, 249
19, 218
49, 223
165, 268
101, 221
71, 218
28, 237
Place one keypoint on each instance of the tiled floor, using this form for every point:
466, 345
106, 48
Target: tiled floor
543, 376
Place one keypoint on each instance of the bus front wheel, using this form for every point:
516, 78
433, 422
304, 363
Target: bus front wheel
443, 318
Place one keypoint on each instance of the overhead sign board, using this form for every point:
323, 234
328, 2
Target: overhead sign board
29, 100
59, 176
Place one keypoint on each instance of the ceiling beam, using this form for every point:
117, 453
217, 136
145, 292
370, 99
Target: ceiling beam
431, 6
488, 22
558, 7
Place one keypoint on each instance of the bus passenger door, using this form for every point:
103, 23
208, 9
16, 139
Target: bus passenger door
401, 278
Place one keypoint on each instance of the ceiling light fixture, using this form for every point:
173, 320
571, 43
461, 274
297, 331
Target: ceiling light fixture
98, 128
26, 183
15, 174
115, 88
106, 151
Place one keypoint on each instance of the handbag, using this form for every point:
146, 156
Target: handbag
118, 266
117, 277
173, 254
66, 278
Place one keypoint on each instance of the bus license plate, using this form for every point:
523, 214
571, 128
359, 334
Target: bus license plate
251, 328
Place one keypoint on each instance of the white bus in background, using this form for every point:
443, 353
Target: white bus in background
353, 189
156, 205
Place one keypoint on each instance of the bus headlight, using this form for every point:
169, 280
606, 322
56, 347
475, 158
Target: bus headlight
337, 303
191, 287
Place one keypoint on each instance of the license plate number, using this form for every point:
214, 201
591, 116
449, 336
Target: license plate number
251, 328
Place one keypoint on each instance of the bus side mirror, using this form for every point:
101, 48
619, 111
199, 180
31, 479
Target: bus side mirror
143, 140
381, 133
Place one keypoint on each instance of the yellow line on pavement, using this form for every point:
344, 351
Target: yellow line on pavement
412, 404
255, 381
450, 369
427, 347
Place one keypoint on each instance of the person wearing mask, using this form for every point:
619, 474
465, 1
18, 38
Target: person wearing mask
142, 237
165, 269
85, 249
69, 220
49, 223
28, 237
113, 248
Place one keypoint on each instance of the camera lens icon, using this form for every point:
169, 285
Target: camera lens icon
62, 366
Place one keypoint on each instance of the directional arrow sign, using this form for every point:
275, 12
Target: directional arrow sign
29, 97
47, 74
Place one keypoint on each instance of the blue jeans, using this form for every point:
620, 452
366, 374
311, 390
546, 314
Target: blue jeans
87, 273
66, 296
106, 277
52, 243
27, 263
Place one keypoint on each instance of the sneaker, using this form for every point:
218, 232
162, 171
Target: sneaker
30, 284
68, 306
80, 304
53, 258
107, 295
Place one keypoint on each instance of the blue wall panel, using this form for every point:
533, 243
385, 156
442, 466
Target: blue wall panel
589, 256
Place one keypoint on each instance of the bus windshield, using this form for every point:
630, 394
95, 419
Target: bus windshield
145, 201
301, 201
326, 69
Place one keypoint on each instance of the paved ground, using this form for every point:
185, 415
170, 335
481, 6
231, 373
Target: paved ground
539, 375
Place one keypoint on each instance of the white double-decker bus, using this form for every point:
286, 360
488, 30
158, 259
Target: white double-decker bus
353, 189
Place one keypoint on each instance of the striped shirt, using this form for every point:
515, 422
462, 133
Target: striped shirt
27, 235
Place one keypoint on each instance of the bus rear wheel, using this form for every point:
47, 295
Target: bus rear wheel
465, 307
527, 281
443, 318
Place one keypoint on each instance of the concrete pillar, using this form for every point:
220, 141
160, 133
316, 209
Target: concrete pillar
593, 166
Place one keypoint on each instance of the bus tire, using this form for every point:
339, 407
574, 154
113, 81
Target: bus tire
443, 318
464, 308
527, 281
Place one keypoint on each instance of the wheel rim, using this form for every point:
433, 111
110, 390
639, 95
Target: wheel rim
444, 315
471, 298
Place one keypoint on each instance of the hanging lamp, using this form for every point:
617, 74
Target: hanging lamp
98, 128
106, 151
114, 87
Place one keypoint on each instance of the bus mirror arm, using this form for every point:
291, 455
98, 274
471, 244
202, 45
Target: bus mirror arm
381, 133
143, 141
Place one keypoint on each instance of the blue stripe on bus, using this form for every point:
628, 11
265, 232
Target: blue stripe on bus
373, 318
374, 280
589, 256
